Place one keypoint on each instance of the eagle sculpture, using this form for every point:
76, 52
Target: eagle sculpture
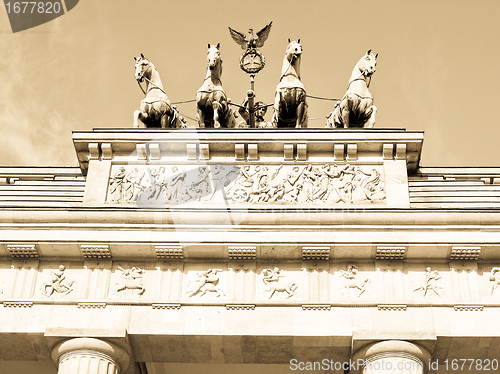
252, 40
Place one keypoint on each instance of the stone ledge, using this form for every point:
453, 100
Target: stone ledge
91, 305
392, 307
317, 307
468, 308
166, 306
18, 304
240, 306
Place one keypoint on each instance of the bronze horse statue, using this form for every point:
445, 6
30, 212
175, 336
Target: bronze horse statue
155, 109
213, 109
290, 107
356, 108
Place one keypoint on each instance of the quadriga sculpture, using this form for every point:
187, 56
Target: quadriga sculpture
155, 109
290, 107
356, 108
211, 100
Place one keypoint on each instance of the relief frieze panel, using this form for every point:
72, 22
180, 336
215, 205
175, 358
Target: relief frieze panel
250, 282
353, 282
204, 282
327, 183
279, 282
59, 281
131, 280
427, 283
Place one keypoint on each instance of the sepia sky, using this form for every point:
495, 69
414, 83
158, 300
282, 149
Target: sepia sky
437, 71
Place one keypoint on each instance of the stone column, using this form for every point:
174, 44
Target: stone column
89, 356
392, 357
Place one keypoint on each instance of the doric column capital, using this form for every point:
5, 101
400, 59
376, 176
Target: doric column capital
81, 347
397, 353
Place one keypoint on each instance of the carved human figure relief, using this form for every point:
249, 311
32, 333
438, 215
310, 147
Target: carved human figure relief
117, 185
494, 279
247, 184
58, 284
354, 281
130, 280
273, 279
430, 283
206, 281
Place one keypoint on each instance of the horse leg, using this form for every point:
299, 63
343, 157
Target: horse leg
164, 121
345, 112
139, 118
362, 289
301, 116
371, 121
292, 288
276, 108
216, 106
300, 101
272, 292
118, 289
200, 117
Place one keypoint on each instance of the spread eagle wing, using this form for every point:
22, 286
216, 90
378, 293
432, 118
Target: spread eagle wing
263, 35
239, 38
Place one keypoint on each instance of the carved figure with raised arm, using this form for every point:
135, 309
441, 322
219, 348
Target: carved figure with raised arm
356, 108
207, 281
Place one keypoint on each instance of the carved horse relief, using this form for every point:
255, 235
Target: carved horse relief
155, 109
207, 281
290, 107
353, 280
356, 108
213, 108
272, 278
130, 280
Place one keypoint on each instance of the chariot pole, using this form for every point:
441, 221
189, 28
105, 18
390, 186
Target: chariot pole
251, 61
251, 102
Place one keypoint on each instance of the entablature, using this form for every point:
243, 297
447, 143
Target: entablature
307, 145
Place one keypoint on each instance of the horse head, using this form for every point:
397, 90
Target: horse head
213, 56
143, 68
367, 64
293, 50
